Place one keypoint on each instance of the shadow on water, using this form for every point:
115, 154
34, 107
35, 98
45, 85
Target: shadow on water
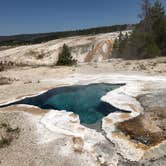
84, 100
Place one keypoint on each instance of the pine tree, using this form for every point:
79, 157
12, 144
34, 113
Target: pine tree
159, 25
65, 57
116, 45
126, 36
145, 16
157, 11
121, 43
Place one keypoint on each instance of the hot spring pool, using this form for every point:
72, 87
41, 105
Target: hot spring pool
84, 100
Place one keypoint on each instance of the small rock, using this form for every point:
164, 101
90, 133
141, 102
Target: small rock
78, 144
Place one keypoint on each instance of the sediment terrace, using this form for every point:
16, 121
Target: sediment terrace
52, 136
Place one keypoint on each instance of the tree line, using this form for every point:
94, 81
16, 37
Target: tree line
148, 38
44, 37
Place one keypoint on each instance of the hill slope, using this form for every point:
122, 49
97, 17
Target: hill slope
84, 49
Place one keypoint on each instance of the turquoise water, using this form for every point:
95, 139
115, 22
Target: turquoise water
83, 100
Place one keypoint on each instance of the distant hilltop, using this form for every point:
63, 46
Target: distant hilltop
26, 39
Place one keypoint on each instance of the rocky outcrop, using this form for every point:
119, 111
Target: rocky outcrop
100, 51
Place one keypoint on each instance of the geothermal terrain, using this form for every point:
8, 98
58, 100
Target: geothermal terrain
36, 137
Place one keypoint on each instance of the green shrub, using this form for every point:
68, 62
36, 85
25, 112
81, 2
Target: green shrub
65, 57
151, 50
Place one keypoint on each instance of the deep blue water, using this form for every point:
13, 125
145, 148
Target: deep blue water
83, 100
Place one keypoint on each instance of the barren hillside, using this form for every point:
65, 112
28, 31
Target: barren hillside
84, 49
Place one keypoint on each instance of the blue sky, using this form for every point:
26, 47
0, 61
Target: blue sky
35, 16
